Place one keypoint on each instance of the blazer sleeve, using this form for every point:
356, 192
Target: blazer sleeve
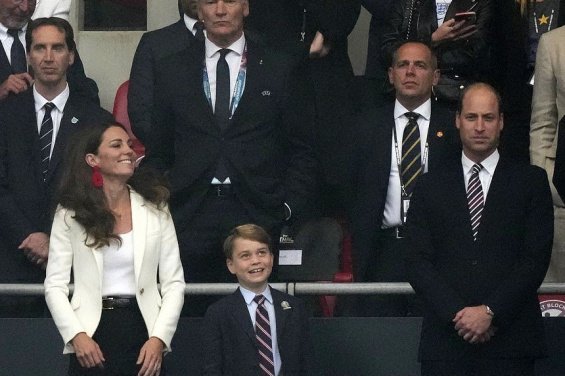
442, 299
213, 343
533, 260
58, 276
141, 89
171, 277
52, 8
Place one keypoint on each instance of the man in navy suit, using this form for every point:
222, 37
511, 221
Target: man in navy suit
238, 157
232, 326
28, 176
14, 77
152, 47
480, 231
379, 195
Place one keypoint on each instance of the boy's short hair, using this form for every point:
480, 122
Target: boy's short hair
248, 231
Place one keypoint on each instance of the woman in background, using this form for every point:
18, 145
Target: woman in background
114, 231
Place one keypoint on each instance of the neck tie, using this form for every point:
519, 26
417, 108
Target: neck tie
411, 164
222, 106
17, 53
45, 137
263, 335
199, 35
475, 199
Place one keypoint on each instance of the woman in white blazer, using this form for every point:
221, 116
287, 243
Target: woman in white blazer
114, 231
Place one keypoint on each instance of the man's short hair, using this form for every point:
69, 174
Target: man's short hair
428, 46
62, 25
483, 85
249, 232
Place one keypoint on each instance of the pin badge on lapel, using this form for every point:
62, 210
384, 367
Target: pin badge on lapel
439, 134
261, 62
74, 120
266, 93
285, 305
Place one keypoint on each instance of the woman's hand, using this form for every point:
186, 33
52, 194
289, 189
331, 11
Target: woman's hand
87, 351
452, 30
151, 356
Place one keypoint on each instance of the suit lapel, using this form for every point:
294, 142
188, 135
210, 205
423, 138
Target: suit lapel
196, 101
5, 67
459, 208
139, 224
71, 118
30, 135
497, 194
241, 315
437, 135
281, 315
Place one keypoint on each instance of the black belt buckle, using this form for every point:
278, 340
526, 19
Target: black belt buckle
399, 232
112, 302
222, 190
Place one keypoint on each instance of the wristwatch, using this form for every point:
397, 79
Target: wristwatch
489, 311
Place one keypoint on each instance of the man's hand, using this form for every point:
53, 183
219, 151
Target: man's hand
36, 248
452, 30
474, 324
87, 351
151, 356
15, 83
319, 47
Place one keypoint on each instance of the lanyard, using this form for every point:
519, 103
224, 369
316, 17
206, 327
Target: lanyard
239, 83
399, 160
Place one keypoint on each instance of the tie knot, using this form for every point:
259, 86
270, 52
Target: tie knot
412, 116
14, 33
224, 52
259, 299
48, 107
199, 26
477, 168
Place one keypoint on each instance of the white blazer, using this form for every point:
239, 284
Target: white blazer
52, 8
156, 252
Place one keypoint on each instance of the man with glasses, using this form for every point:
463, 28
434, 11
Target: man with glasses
14, 75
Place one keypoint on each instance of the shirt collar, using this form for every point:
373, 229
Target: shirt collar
424, 110
4, 31
248, 295
189, 22
238, 46
489, 164
59, 101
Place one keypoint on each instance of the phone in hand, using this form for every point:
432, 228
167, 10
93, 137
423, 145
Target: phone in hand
468, 17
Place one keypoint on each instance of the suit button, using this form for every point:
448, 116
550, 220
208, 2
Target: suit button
141, 291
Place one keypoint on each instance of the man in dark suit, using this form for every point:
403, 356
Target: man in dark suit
380, 188
34, 128
14, 77
480, 232
229, 161
233, 326
152, 47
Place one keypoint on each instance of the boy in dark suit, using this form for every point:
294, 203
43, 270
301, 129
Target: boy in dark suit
256, 330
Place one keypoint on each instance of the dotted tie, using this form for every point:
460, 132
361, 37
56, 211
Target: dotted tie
264, 340
45, 138
475, 199
199, 35
17, 53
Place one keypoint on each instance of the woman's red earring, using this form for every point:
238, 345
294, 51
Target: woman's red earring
97, 180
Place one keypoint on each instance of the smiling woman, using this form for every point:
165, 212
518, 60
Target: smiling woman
101, 234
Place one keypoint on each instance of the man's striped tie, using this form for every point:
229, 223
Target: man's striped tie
411, 165
45, 138
264, 340
475, 199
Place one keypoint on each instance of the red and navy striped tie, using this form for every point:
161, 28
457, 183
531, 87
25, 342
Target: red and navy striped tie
264, 340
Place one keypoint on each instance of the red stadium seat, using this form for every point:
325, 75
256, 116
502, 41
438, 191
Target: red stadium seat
120, 113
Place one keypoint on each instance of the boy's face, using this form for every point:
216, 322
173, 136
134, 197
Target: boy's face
252, 263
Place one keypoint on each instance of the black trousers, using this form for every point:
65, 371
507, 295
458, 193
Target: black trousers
120, 335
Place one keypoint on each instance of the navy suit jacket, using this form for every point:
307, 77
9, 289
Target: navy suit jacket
266, 146
370, 165
26, 202
230, 345
502, 269
152, 47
